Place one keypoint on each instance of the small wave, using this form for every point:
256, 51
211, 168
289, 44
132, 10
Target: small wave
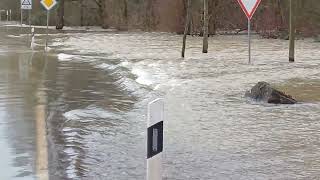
106, 66
18, 36
170, 84
125, 64
57, 44
13, 36
89, 113
142, 77
65, 57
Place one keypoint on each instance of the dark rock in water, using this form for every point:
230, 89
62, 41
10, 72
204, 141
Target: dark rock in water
265, 92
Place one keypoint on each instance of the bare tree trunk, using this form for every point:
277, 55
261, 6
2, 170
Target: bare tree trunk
60, 15
105, 20
149, 15
122, 14
205, 26
186, 27
277, 10
81, 13
292, 31
101, 6
212, 8
125, 14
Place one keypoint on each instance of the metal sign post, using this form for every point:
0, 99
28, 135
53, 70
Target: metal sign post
249, 39
20, 19
25, 5
47, 37
48, 5
155, 139
30, 19
249, 7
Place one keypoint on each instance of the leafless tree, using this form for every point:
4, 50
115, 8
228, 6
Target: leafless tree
60, 15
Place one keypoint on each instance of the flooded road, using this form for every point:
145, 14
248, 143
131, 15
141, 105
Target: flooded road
79, 111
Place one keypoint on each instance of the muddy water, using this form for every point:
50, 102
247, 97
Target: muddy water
88, 98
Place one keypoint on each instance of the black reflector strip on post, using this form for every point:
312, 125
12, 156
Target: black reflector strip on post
155, 139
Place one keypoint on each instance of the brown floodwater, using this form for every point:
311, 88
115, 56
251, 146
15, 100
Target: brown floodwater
79, 110
304, 90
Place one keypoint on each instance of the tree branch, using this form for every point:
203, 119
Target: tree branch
99, 3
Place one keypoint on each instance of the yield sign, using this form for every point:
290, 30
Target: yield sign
48, 4
249, 7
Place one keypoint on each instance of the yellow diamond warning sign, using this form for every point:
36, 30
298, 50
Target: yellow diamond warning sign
48, 4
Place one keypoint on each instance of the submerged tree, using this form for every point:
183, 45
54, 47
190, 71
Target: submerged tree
149, 19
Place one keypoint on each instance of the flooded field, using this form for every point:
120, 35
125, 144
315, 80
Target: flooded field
79, 111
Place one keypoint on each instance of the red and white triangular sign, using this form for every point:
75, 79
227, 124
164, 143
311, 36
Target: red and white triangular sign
249, 6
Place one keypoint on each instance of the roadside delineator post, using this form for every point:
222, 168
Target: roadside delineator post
155, 139
32, 43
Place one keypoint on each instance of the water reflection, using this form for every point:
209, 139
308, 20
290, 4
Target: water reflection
41, 128
19, 86
84, 105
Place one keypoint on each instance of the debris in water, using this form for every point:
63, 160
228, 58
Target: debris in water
263, 91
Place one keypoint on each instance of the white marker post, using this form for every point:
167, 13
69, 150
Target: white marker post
249, 7
32, 44
155, 139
